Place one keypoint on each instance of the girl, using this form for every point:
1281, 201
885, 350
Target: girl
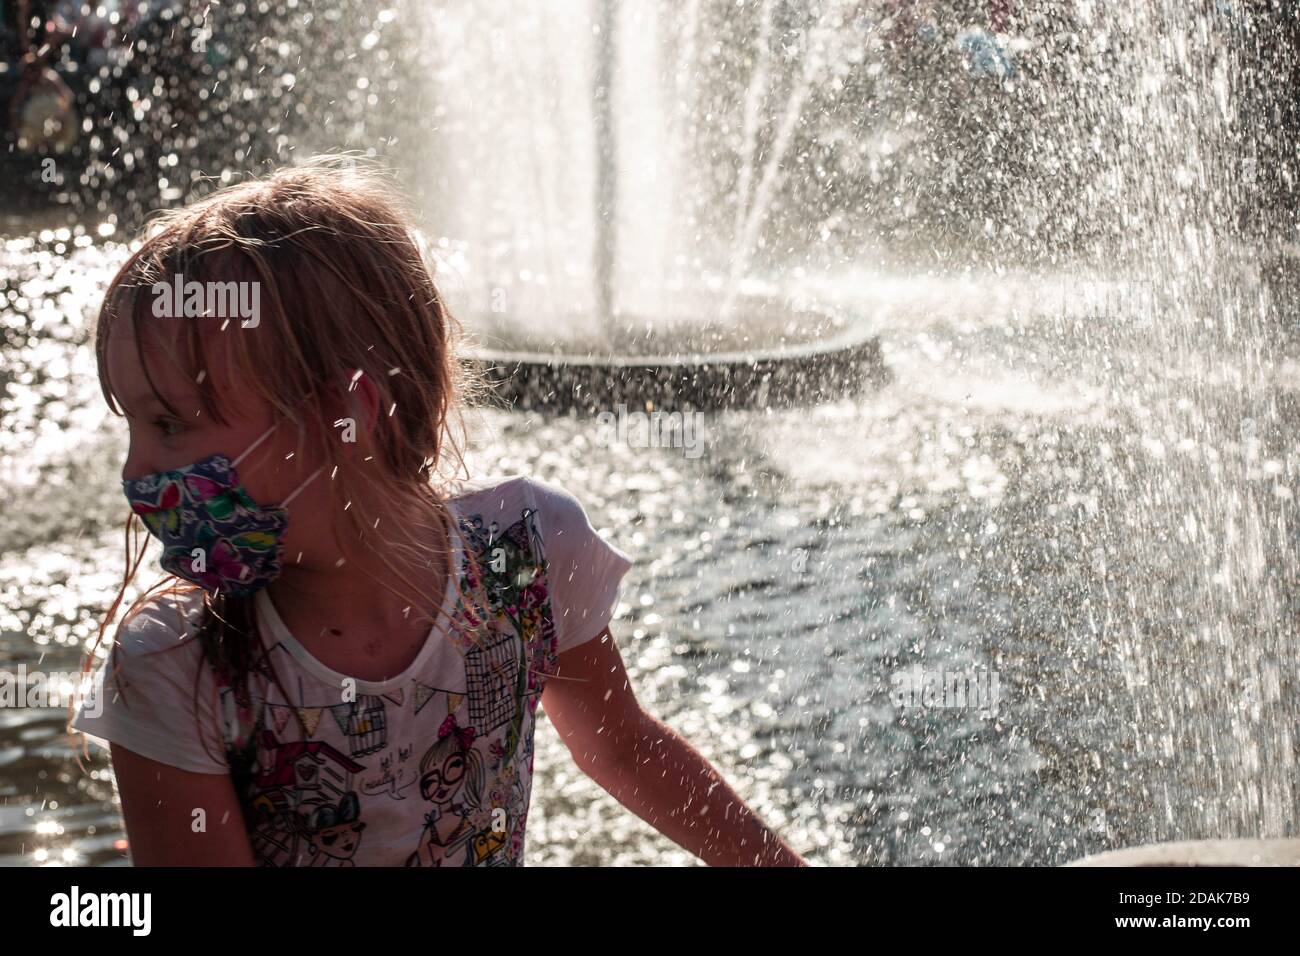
348, 676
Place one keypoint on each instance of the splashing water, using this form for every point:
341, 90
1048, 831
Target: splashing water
1070, 231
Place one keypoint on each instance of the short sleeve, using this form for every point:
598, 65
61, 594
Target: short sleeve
583, 570
154, 693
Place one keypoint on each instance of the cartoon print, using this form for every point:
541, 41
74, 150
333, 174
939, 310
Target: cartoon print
364, 723
274, 829
507, 585
333, 832
306, 799
451, 778
395, 771
392, 776
423, 693
490, 675
293, 775
485, 845
509, 795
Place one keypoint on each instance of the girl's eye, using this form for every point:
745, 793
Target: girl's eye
169, 426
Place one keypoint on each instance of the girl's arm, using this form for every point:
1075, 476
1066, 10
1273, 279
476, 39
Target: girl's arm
159, 804
647, 767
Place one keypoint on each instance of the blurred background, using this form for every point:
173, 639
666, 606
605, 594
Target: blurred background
1069, 225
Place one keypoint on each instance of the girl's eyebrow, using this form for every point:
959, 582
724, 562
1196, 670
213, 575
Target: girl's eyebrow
146, 401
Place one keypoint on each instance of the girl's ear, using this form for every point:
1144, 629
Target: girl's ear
352, 405
363, 400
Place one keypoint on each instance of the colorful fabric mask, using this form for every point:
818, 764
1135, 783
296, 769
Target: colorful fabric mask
212, 532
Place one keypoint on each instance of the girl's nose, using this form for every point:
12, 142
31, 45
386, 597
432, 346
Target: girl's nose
138, 462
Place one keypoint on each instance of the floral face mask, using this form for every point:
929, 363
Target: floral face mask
212, 532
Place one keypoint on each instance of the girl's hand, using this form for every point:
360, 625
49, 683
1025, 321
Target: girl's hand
159, 804
648, 767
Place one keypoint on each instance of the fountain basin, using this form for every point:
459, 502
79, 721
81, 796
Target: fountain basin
766, 357
1201, 853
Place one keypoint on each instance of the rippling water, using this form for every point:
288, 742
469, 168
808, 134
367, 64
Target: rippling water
1035, 494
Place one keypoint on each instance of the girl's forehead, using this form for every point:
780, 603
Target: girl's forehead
162, 346
136, 359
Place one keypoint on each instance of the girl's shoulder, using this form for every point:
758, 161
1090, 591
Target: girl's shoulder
464, 491
160, 621
546, 510
515, 496
151, 694
584, 570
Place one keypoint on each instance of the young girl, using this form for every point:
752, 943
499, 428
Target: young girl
344, 666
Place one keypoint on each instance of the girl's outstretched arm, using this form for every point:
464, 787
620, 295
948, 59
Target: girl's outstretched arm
648, 767
159, 804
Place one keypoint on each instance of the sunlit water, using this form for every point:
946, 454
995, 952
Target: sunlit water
1011, 502
1081, 477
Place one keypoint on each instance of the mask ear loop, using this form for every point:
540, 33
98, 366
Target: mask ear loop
235, 463
294, 494
312, 477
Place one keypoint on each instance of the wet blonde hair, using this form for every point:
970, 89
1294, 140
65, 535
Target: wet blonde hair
345, 286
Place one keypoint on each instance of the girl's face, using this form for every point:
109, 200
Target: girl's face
162, 441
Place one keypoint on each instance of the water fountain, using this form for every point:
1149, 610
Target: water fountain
1093, 492
1120, 159
591, 282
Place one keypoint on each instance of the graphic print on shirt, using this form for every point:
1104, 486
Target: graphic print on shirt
465, 747
451, 778
504, 604
304, 809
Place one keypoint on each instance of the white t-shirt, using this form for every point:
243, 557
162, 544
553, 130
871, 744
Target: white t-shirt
430, 768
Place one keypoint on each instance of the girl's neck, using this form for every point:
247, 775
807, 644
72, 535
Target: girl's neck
352, 593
